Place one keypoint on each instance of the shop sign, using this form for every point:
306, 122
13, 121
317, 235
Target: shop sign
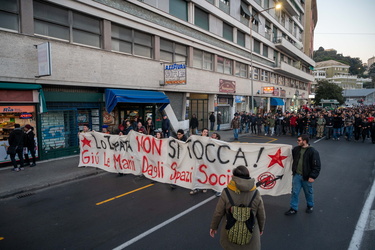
268, 90
44, 59
26, 116
16, 109
175, 73
283, 93
227, 86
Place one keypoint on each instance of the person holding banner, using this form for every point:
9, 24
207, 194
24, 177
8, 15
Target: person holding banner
306, 168
241, 188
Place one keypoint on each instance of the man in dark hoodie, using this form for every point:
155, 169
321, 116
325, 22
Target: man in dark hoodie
16, 147
306, 168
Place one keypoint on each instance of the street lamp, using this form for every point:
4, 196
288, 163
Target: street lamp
277, 6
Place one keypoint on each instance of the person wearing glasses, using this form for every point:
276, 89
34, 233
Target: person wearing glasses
306, 168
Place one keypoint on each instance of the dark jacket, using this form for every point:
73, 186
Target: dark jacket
311, 162
218, 118
28, 139
165, 124
194, 123
16, 138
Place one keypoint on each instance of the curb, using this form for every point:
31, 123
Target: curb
26, 190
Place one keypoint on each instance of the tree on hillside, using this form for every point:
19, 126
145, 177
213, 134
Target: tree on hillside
327, 90
356, 66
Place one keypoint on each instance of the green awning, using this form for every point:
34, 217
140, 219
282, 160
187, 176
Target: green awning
28, 86
245, 9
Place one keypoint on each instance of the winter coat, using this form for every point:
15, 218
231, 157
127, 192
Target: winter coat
245, 191
165, 124
337, 122
235, 123
212, 118
311, 162
16, 139
218, 118
28, 139
194, 123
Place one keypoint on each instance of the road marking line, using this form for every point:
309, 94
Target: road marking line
371, 221
121, 195
139, 237
319, 139
355, 243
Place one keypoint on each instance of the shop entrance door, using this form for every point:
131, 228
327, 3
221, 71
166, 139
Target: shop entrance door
200, 108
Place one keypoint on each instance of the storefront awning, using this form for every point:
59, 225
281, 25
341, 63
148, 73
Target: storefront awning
114, 96
28, 86
277, 101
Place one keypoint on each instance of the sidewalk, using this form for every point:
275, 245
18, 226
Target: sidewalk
53, 172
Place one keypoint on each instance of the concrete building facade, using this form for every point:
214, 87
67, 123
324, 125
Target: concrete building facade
216, 63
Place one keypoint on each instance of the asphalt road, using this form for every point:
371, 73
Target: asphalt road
82, 215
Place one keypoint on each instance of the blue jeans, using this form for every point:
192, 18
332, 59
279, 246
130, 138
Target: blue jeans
349, 132
218, 127
266, 130
336, 133
299, 183
235, 133
312, 131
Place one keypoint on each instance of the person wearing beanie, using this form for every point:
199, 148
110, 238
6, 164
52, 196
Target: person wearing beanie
16, 147
241, 188
29, 143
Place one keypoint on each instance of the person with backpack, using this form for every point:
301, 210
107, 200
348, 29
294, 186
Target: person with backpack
239, 198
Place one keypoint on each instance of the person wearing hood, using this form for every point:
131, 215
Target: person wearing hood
29, 143
241, 188
16, 147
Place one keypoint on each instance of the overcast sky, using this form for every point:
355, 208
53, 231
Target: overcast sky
347, 26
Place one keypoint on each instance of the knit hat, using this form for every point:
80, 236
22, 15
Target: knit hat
28, 126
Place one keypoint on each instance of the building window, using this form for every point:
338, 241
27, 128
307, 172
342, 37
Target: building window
224, 5
265, 76
131, 41
240, 38
281, 80
256, 73
265, 50
9, 15
241, 70
86, 30
267, 30
53, 21
228, 32
179, 9
172, 52
256, 46
201, 18
273, 78
203, 60
224, 65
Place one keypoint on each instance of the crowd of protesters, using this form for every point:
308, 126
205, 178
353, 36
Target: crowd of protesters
353, 124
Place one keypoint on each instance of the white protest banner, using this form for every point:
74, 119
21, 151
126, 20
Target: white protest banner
201, 162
